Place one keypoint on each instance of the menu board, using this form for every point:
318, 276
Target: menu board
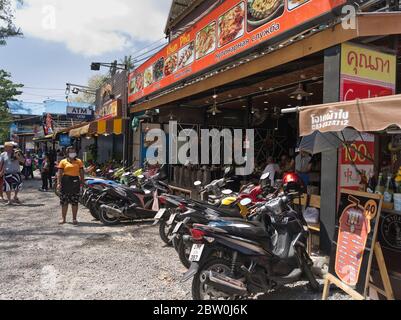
356, 232
233, 27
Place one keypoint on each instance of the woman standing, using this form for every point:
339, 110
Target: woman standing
45, 173
70, 177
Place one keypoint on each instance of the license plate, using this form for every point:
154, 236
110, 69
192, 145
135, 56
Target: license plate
172, 218
160, 214
196, 252
177, 227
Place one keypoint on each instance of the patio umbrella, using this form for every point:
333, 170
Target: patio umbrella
319, 142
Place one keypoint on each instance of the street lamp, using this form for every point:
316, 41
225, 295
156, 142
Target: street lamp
95, 66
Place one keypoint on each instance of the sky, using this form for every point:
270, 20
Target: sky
62, 38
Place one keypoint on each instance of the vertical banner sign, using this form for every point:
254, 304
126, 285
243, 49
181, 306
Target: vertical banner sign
365, 73
355, 236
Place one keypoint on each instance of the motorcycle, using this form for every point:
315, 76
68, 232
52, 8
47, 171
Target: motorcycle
239, 260
179, 225
118, 203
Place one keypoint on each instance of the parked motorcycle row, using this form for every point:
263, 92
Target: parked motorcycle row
236, 244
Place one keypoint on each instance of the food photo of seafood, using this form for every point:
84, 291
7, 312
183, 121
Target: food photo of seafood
261, 12
206, 40
293, 4
170, 65
148, 76
231, 24
136, 83
186, 55
158, 70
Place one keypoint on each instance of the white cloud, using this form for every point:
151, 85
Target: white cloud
94, 27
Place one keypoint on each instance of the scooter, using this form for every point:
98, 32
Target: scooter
239, 260
118, 203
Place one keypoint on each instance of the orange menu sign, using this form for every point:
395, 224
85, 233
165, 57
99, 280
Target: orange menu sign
233, 27
356, 232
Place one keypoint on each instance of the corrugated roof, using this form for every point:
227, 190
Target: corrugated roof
38, 109
177, 8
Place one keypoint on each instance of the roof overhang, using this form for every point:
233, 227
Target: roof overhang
367, 25
179, 10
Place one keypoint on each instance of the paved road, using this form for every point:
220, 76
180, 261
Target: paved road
42, 260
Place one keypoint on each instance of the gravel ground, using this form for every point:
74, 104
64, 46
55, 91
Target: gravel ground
41, 260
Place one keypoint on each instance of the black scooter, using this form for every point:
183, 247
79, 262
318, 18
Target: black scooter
240, 259
120, 202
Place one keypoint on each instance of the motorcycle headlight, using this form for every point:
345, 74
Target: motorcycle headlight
275, 206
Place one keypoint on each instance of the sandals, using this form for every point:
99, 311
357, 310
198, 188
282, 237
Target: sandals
17, 201
75, 222
61, 222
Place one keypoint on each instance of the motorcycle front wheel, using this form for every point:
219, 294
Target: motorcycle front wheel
201, 291
183, 253
164, 230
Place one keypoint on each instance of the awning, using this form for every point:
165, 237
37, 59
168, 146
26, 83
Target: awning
87, 129
43, 139
99, 127
364, 115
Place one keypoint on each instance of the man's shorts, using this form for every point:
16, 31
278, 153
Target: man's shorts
12, 182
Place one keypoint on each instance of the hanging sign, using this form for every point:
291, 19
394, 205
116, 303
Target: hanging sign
77, 113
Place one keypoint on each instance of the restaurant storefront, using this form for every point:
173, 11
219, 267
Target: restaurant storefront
207, 78
101, 140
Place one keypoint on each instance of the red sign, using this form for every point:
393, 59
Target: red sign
233, 27
362, 78
352, 90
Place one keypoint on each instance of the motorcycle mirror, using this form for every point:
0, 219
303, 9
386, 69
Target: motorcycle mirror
245, 202
227, 170
197, 183
141, 176
126, 174
227, 192
98, 170
147, 191
265, 176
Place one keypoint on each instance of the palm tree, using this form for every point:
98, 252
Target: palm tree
129, 62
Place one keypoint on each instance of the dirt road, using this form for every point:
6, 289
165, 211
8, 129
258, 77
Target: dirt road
41, 260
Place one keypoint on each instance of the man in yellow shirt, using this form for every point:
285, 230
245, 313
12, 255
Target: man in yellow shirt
70, 178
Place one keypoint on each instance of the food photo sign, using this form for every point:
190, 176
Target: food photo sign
354, 242
231, 28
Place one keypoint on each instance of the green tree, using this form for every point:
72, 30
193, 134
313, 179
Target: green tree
8, 91
129, 62
7, 26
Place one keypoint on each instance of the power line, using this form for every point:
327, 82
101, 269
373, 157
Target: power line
36, 88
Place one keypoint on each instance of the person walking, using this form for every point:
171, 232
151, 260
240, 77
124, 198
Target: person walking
272, 168
28, 167
46, 174
70, 178
10, 161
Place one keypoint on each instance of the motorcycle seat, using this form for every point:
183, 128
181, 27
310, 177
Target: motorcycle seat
226, 213
243, 229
